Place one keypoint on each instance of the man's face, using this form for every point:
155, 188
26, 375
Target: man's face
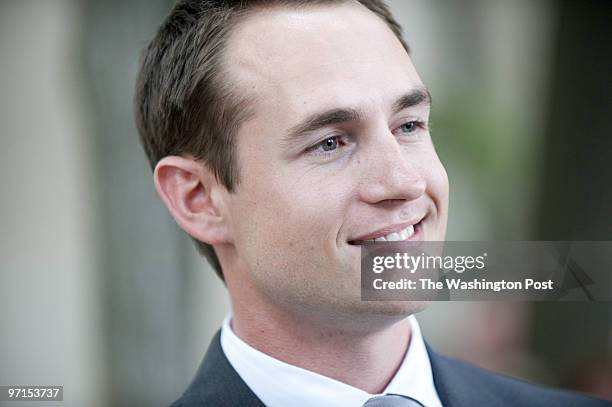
337, 151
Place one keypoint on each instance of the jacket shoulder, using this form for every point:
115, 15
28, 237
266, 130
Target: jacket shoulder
193, 399
460, 383
216, 383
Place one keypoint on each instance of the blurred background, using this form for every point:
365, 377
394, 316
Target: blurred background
102, 293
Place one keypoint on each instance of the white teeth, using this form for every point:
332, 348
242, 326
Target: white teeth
408, 232
395, 236
398, 236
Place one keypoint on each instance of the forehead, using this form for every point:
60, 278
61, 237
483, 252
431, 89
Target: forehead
299, 60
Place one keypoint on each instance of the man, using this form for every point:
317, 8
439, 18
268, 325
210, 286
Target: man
282, 135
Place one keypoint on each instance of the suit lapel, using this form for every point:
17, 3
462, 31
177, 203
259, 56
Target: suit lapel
217, 383
459, 384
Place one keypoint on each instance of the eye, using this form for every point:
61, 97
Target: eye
329, 144
410, 127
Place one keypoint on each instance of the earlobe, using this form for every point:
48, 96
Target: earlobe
186, 187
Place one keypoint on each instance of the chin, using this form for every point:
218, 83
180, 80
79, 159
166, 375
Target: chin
368, 315
399, 309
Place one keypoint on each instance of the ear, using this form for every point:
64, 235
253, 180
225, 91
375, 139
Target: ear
191, 193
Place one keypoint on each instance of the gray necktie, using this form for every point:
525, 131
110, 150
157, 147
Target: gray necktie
392, 400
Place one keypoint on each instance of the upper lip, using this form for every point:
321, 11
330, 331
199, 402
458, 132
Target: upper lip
386, 230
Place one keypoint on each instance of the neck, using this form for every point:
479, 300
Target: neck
367, 360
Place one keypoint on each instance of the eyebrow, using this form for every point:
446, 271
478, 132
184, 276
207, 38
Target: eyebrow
331, 117
416, 97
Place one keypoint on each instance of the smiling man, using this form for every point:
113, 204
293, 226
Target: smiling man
283, 134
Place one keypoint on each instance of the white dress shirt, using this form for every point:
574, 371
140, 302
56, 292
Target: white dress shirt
278, 383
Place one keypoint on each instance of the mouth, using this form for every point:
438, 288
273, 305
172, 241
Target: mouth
396, 233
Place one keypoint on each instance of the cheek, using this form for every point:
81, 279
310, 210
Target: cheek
439, 182
438, 191
285, 219
432, 170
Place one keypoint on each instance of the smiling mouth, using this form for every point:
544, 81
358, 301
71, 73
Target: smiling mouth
405, 234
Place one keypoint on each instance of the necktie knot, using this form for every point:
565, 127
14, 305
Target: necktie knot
392, 400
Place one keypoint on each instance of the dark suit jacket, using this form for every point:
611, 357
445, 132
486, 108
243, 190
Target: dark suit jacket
458, 384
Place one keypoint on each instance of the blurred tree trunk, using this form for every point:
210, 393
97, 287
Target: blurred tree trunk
576, 193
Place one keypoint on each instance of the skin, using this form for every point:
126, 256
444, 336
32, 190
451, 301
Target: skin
283, 236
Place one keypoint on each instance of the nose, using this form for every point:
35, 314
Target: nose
388, 173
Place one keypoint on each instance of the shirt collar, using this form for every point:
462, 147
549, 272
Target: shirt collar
278, 383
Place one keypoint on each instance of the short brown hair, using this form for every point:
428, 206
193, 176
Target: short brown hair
183, 103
